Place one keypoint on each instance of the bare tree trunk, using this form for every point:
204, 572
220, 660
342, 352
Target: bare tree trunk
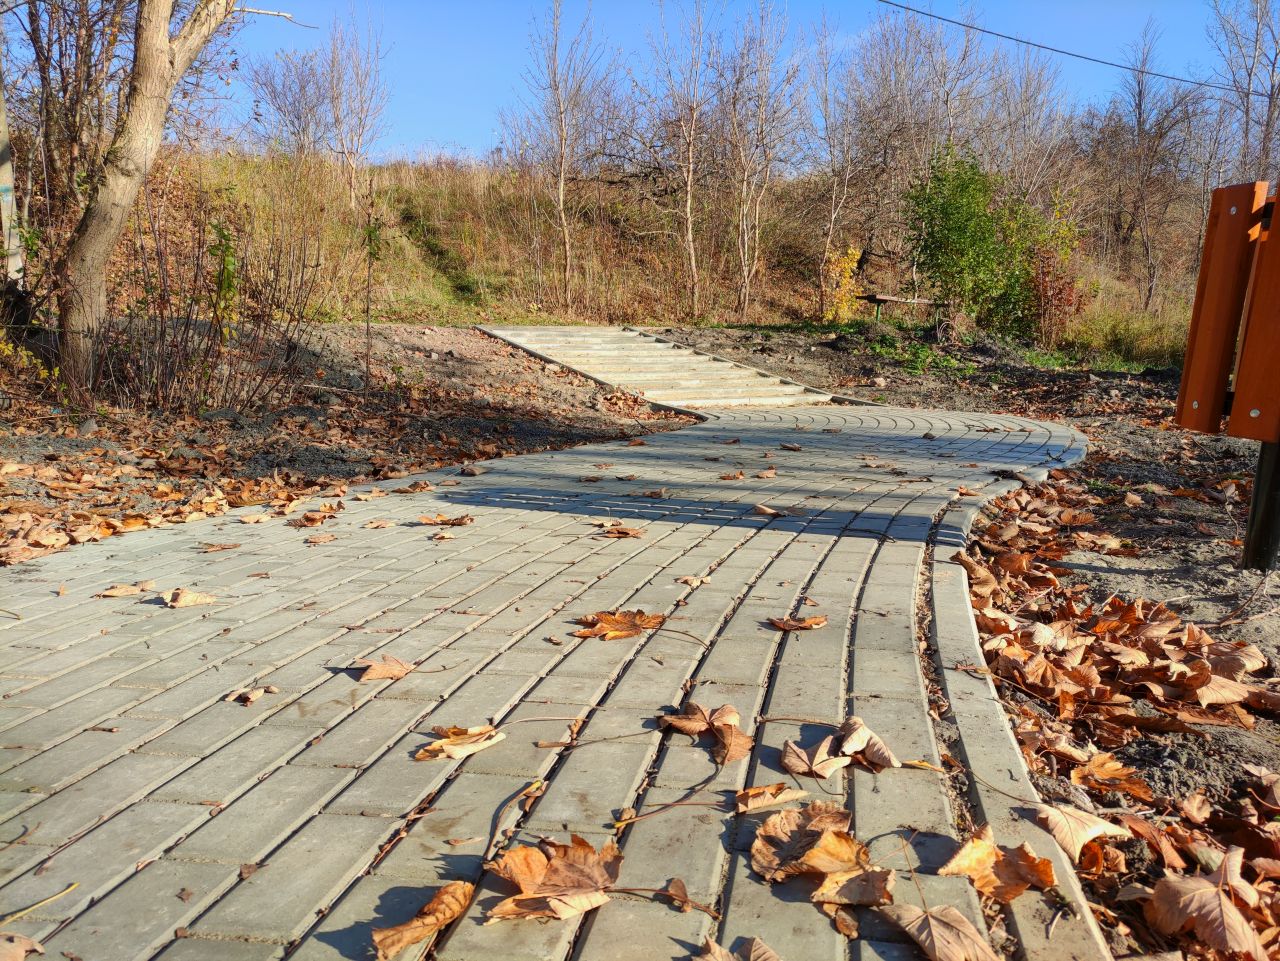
690, 246
158, 64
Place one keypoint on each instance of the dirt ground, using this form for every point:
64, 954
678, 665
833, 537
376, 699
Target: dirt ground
1194, 488
441, 396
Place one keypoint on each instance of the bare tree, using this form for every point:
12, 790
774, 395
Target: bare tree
165, 45
71, 95
1143, 160
291, 93
682, 98
561, 123
832, 135
357, 95
758, 112
1246, 35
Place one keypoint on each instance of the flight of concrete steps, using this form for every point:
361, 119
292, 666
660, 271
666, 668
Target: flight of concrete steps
662, 371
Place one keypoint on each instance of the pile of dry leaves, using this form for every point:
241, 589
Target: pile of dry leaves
1082, 679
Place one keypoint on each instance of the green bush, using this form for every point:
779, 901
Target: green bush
982, 254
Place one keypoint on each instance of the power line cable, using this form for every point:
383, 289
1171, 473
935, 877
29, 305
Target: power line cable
1067, 53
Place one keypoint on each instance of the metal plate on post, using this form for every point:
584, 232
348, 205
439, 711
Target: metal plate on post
1230, 245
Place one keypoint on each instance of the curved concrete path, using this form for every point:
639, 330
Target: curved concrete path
118, 748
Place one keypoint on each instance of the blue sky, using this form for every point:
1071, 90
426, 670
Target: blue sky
454, 65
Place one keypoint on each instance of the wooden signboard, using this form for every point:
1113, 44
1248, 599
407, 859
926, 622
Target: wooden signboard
1230, 244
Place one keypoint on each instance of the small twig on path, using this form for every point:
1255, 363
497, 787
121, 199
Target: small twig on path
39, 904
1230, 618
693, 792
663, 892
15, 616
532, 789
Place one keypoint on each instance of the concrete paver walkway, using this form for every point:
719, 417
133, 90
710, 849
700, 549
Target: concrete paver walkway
197, 828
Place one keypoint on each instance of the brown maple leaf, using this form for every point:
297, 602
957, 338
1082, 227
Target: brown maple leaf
390, 668
446, 906
696, 719
732, 743
459, 742
820, 761
862, 744
1073, 828
1103, 772
799, 623
616, 625
997, 872
943, 933
785, 837
1179, 903
556, 880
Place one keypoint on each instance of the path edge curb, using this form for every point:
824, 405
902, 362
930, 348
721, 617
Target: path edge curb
990, 747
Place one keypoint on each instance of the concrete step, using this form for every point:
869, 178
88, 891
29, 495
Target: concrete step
716, 393
759, 400
661, 371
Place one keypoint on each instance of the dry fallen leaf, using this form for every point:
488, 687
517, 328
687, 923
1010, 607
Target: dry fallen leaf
215, 548
799, 623
459, 742
618, 533
1179, 903
439, 520
1073, 828
785, 837
390, 668
1102, 772
316, 539
616, 625
692, 581
820, 761
943, 933
996, 872
446, 906
862, 744
183, 597
15, 947
732, 743
769, 795
752, 950
556, 880
254, 518
123, 590
250, 694
766, 511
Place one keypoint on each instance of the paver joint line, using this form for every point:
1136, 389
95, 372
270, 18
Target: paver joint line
119, 745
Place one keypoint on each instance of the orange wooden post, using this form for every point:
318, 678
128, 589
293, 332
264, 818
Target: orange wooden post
1255, 409
1230, 245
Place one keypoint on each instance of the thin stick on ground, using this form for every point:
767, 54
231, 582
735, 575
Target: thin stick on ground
39, 904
